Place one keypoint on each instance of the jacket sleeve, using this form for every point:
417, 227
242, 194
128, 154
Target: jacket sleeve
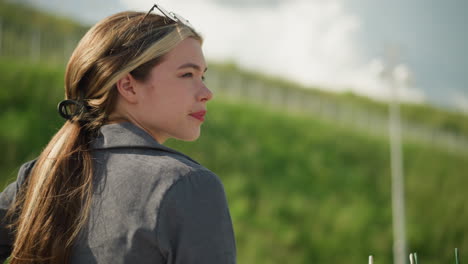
194, 224
6, 199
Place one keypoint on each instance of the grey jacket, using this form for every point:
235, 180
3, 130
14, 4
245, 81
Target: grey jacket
151, 204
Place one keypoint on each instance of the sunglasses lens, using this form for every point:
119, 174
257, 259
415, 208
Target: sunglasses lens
182, 20
175, 17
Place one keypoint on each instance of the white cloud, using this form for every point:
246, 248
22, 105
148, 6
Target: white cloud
460, 101
373, 80
310, 41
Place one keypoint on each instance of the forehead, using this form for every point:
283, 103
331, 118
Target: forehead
187, 51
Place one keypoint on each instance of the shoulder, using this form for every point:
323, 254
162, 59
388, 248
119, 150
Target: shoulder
24, 172
200, 179
194, 223
200, 175
9, 193
194, 192
186, 182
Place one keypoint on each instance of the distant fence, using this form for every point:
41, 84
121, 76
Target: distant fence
42, 46
293, 100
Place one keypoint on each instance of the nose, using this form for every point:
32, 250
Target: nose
205, 94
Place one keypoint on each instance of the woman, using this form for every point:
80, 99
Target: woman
105, 189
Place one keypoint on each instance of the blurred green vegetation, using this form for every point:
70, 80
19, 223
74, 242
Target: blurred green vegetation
300, 190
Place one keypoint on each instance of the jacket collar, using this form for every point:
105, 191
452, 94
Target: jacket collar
128, 135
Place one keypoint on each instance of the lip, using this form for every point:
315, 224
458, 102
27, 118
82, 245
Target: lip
200, 115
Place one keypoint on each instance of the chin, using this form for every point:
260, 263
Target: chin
192, 137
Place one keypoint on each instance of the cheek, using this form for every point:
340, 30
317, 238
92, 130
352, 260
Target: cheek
178, 92
164, 102
169, 97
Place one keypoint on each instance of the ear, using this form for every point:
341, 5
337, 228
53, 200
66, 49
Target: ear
127, 88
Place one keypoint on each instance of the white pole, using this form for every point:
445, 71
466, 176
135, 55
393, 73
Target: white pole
396, 157
398, 196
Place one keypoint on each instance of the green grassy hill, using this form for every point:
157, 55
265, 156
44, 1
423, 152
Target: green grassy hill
300, 190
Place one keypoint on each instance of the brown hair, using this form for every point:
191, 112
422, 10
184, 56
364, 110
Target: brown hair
52, 206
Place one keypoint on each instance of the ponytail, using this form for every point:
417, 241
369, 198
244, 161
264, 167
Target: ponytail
53, 205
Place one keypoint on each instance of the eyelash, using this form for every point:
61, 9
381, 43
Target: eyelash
189, 74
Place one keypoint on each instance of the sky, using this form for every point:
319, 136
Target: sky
338, 45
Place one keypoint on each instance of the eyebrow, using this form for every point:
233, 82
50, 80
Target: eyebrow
191, 65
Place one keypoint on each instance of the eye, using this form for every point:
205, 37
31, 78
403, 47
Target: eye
190, 75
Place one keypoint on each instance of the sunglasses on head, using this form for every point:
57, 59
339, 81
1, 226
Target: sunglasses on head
171, 15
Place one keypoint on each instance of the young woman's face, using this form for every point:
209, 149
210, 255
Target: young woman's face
172, 101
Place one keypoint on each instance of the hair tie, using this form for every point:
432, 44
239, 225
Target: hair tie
71, 108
